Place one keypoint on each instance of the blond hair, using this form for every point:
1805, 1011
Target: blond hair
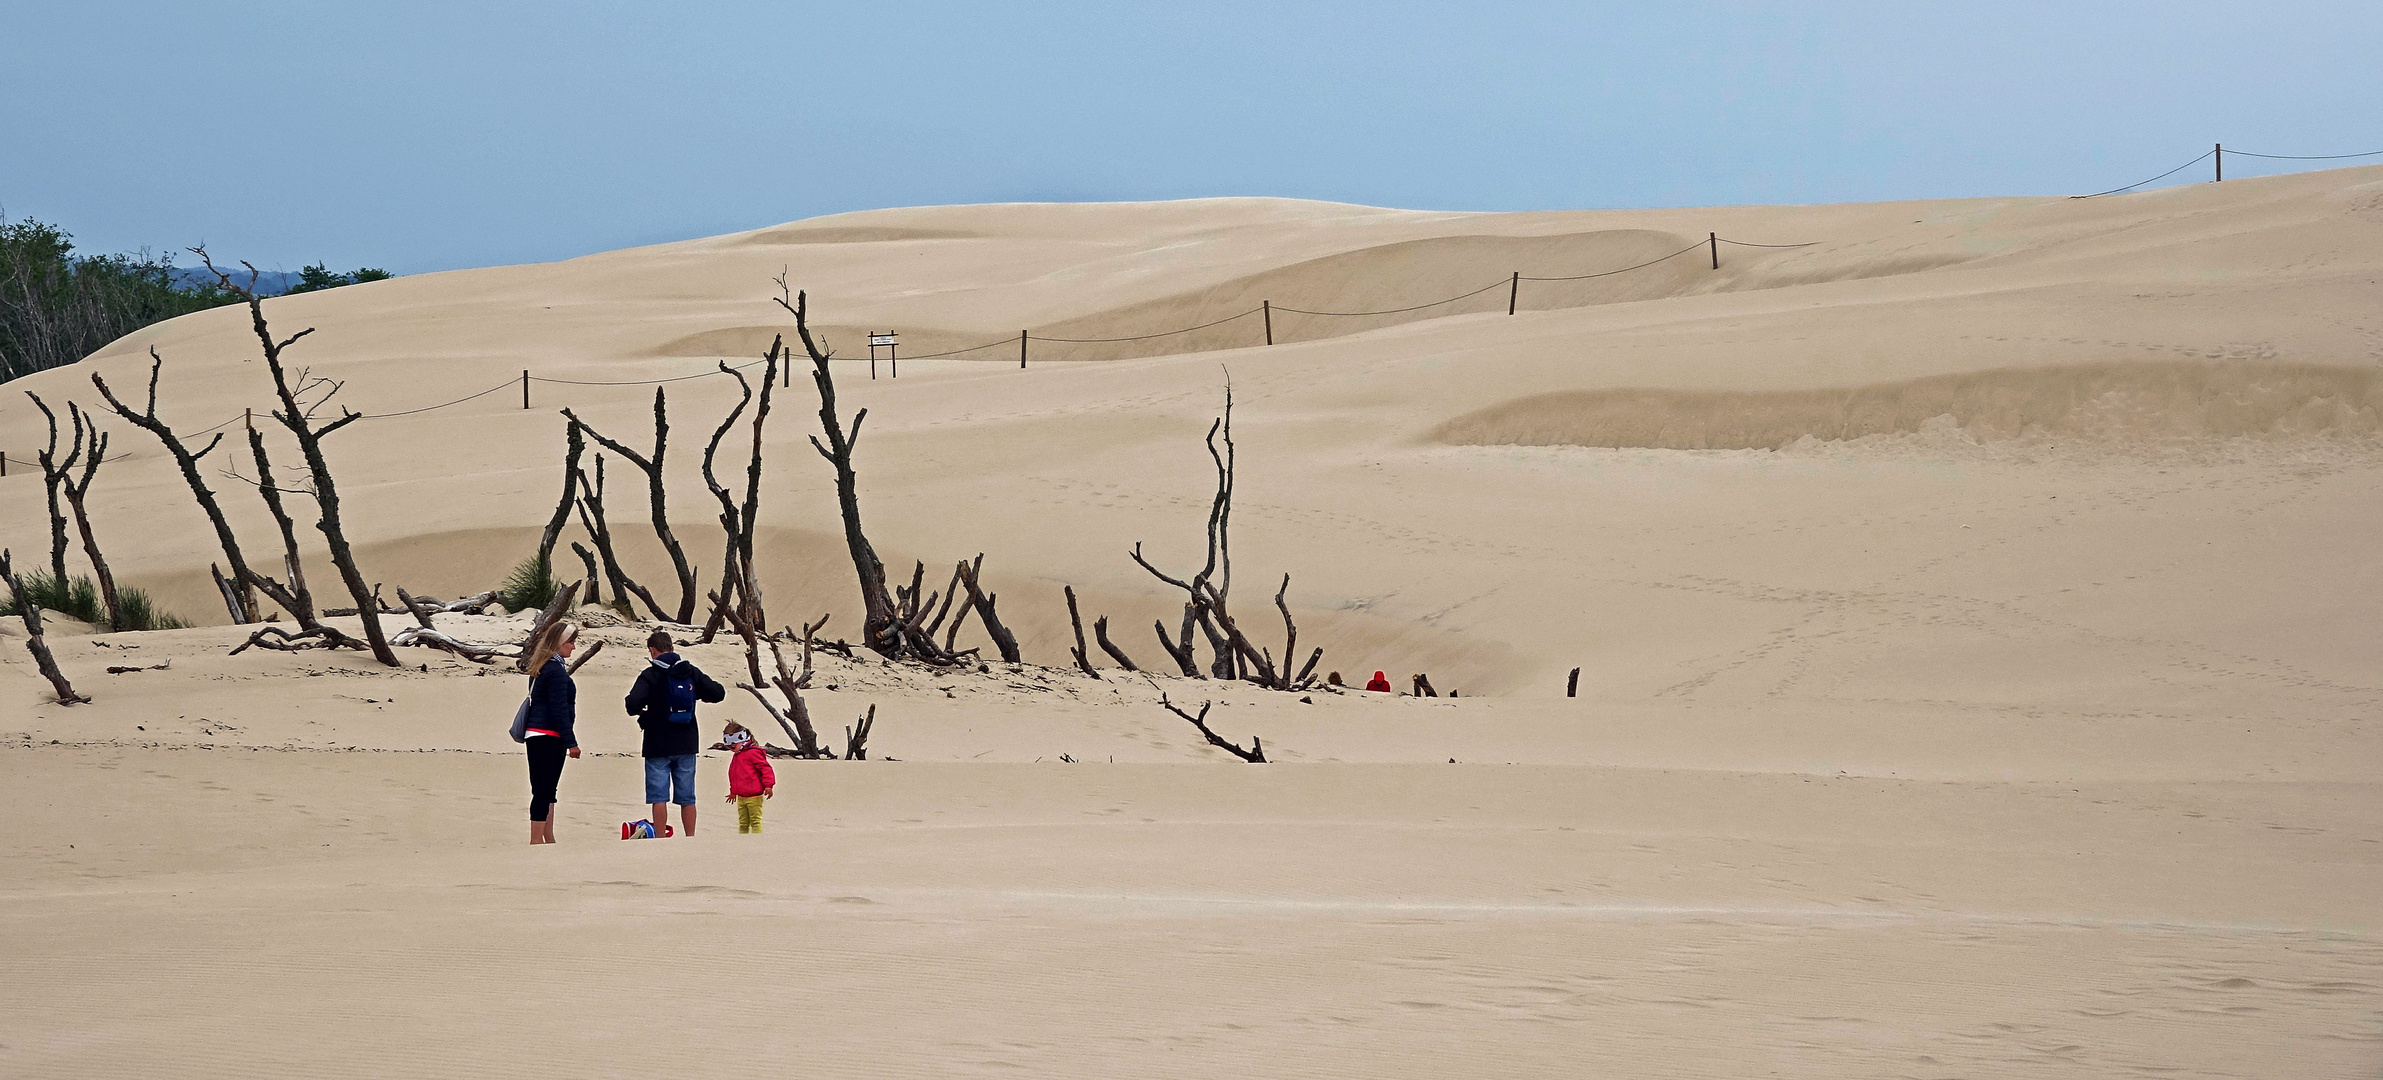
550, 641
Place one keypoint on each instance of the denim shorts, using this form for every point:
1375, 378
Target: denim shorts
664, 773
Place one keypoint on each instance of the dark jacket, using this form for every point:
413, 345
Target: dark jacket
554, 701
649, 701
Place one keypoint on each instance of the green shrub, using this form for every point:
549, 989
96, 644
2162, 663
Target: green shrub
76, 598
141, 614
530, 585
79, 599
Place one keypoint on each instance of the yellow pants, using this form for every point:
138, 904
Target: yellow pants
748, 814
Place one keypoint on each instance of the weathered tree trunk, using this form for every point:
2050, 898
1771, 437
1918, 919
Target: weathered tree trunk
42, 660
879, 629
856, 737
589, 559
94, 445
1181, 652
739, 583
573, 446
240, 591
658, 498
1082, 653
1100, 633
299, 420
1003, 641
54, 474
591, 518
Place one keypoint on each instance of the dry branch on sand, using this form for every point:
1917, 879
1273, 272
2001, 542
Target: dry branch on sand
1255, 755
31, 613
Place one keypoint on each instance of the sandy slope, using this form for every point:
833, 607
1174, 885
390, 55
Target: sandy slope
1928, 753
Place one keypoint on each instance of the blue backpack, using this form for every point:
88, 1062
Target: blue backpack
681, 698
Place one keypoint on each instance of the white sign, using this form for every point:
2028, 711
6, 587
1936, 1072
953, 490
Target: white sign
880, 339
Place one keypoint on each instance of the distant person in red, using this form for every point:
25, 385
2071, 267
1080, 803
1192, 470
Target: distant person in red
1381, 683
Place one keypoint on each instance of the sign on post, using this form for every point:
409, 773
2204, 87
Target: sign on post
884, 339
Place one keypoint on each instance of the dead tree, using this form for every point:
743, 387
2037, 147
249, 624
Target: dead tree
1100, 633
31, 613
92, 444
880, 629
299, 418
240, 590
1082, 654
574, 444
885, 628
1003, 641
856, 737
54, 473
591, 518
1209, 590
1255, 755
659, 499
739, 582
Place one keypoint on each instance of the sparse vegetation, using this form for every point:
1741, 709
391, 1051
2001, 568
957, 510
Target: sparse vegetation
78, 597
531, 585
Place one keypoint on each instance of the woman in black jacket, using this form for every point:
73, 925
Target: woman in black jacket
553, 709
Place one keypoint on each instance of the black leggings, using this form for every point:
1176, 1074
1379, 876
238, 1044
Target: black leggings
546, 770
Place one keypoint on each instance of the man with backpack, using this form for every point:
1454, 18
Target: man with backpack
664, 703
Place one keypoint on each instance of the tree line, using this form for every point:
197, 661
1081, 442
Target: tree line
57, 307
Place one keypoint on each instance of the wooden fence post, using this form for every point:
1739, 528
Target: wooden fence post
525, 389
1715, 240
1268, 307
2220, 153
1513, 290
1021, 350
1572, 685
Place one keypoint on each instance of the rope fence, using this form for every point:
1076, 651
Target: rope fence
2216, 156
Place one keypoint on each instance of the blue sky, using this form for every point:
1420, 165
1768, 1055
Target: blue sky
427, 136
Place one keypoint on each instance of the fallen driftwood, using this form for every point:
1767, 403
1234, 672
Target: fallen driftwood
1255, 755
428, 638
319, 637
121, 670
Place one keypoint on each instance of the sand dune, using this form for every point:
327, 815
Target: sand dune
1973, 611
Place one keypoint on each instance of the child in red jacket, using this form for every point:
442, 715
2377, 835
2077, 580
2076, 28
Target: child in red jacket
750, 778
